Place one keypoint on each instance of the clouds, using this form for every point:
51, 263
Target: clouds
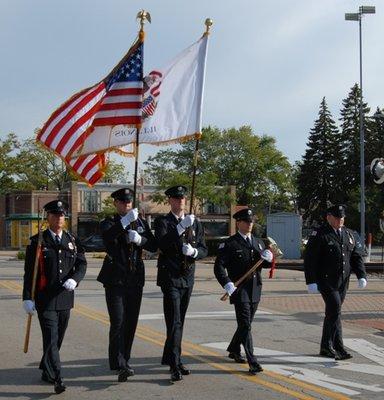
269, 63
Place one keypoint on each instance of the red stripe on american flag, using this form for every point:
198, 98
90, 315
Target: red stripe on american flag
92, 163
78, 162
121, 92
96, 177
59, 110
129, 120
74, 127
119, 106
71, 113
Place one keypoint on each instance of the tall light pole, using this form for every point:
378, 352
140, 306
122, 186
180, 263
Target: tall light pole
358, 17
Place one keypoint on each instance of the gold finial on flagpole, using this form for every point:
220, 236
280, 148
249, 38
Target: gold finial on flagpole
208, 24
143, 16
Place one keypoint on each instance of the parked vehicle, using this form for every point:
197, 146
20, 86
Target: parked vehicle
93, 243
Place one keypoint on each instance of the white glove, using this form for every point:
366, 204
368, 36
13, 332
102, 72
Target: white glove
131, 216
185, 223
229, 288
312, 288
134, 237
29, 307
267, 255
70, 284
189, 251
361, 283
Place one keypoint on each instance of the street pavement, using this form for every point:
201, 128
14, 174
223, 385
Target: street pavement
286, 331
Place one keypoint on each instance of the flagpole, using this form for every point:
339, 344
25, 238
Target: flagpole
142, 16
208, 24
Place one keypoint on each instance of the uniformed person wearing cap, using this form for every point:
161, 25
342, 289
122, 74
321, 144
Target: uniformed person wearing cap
332, 253
181, 242
125, 235
61, 267
238, 254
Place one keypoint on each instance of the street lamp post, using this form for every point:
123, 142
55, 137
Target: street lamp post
358, 17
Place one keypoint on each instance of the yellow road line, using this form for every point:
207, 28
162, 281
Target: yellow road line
149, 335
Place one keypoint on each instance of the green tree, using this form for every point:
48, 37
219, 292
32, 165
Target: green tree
316, 180
8, 147
261, 173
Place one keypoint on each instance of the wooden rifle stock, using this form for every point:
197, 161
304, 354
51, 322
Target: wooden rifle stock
34, 278
225, 296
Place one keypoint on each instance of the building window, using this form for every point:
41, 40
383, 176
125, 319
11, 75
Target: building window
211, 208
91, 201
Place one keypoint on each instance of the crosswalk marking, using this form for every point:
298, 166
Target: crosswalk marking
292, 366
203, 314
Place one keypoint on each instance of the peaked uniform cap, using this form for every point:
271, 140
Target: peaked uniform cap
123, 194
245, 214
337, 210
56, 207
178, 191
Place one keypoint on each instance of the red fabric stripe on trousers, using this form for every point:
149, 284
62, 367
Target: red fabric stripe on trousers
73, 112
87, 116
59, 110
117, 121
119, 106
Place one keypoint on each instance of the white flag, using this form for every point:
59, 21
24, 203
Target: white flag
172, 105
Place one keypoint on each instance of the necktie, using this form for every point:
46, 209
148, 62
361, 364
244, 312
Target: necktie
249, 241
338, 233
57, 240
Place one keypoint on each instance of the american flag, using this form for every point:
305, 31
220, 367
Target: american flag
116, 100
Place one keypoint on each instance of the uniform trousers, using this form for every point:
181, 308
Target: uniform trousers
243, 335
53, 325
332, 332
175, 305
123, 303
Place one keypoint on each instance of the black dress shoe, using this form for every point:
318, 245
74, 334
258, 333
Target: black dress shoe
183, 370
59, 386
255, 368
327, 353
176, 375
237, 358
125, 373
342, 355
46, 378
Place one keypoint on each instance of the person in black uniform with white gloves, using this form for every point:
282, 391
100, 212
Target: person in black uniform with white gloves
62, 265
122, 274
238, 254
179, 249
332, 253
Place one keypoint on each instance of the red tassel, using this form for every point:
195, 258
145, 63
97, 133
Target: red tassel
273, 267
42, 283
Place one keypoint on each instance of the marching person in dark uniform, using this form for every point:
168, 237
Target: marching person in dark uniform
122, 274
176, 271
332, 253
62, 266
238, 254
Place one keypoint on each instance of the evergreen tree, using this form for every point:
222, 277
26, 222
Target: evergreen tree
317, 184
350, 137
349, 173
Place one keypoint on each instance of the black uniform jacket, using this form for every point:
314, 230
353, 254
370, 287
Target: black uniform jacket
171, 259
116, 269
57, 264
234, 258
329, 260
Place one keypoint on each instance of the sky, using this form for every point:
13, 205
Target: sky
269, 63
